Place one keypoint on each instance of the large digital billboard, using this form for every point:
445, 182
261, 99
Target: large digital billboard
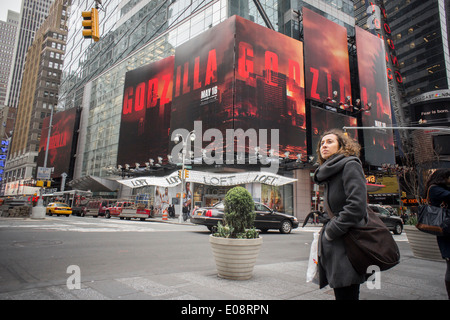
204, 79
239, 75
270, 85
60, 145
327, 67
146, 109
378, 144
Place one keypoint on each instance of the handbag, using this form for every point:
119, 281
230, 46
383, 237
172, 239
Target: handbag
433, 220
371, 245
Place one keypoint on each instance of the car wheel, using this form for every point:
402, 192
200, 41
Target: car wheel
107, 215
398, 228
213, 229
286, 227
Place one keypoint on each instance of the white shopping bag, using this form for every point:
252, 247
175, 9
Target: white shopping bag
312, 274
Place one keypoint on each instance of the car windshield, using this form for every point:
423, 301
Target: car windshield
60, 204
219, 205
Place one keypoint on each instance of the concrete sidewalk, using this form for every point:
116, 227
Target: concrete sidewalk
412, 279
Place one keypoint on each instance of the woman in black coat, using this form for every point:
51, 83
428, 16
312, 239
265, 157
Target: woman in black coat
438, 188
345, 198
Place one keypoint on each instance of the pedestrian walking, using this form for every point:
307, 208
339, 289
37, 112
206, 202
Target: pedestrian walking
345, 203
438, 189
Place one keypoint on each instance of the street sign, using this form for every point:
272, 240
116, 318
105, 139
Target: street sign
44, 173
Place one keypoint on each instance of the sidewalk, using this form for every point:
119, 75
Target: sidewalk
412, 279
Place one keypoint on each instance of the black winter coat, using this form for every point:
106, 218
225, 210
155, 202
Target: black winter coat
437, 195
346, 204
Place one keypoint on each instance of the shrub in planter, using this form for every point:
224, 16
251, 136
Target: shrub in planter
239, 216
236, 244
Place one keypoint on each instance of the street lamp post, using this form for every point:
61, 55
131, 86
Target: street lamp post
177, 139
38, 212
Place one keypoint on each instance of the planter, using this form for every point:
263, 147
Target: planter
235, 258
423, 245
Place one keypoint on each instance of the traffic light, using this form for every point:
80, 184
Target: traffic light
180, 175
186, 173
90, 24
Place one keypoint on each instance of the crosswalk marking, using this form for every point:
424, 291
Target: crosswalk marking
75, 224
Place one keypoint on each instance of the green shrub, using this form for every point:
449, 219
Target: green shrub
240, 213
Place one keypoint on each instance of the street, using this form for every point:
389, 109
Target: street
61, 258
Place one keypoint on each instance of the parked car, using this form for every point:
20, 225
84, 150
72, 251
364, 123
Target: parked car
265, 219
58, 208
392, 222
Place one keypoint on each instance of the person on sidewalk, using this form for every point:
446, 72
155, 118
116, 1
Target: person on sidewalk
171, 211
345, 203
438, 189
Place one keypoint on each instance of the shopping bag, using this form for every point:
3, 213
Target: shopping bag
312, 273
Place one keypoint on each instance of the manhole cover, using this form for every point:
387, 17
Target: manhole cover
36, 243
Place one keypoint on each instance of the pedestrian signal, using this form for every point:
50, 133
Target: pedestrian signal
90, 24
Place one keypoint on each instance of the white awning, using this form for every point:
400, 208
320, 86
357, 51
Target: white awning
210, 178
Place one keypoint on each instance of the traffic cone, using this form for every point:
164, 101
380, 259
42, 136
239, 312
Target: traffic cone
164, 216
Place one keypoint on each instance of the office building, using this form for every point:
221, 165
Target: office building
8, 31
32, 15
39, 92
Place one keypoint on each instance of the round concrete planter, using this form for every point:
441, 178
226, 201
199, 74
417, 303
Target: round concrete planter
235, 258
423, 245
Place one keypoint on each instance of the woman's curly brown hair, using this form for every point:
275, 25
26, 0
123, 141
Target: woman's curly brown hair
347, 146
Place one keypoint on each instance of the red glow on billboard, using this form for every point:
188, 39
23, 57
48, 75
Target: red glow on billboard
326, 58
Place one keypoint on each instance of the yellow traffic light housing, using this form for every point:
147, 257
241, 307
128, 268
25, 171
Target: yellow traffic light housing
39, 183
180, 174
186, 174
90, 24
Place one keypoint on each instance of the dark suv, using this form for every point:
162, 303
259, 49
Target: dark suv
392, 222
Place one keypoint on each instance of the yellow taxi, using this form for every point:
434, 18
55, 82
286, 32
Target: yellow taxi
58, 208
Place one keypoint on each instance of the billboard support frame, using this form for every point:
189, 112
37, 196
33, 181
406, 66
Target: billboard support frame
398, 128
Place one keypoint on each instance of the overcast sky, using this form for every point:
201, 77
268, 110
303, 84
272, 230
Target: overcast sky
6, 5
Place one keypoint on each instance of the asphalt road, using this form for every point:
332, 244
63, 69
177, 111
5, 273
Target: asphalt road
39, 251
120, 259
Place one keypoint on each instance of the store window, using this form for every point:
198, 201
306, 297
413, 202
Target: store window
278, 198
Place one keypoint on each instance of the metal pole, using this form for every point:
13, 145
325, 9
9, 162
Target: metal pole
48, 138
398, 128
180, 217
38, 212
